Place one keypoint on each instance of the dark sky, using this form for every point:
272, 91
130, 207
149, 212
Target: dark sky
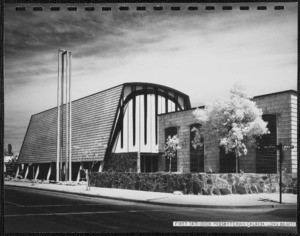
200, 53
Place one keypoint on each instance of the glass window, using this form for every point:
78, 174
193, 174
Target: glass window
266, 159
196, 153
171, 131
227, 161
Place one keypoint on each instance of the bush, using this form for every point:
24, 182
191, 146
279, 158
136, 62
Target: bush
121, 162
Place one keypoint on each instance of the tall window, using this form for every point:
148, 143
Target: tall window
171, 131
196, 154
227, 161
149, 162
266, 159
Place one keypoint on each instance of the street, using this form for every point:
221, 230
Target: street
30, 210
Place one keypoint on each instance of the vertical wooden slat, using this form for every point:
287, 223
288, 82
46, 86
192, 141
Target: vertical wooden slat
127, 130
186, 103
176, 103
133, 116
145, 117
166, 103
156, 112
122, 121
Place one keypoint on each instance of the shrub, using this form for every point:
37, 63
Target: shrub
121, 162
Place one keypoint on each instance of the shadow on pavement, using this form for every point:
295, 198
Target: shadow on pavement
267, 200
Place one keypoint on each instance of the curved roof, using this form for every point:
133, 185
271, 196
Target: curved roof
157, 86
93, 122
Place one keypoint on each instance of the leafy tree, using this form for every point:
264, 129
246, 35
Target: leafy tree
12, 165
171, 147
232, 123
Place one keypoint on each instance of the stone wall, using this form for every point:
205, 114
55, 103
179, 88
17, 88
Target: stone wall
196, 183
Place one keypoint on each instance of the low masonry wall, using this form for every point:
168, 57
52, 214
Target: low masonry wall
195, 183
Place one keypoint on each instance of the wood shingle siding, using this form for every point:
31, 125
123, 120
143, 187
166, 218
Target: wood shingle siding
92, 121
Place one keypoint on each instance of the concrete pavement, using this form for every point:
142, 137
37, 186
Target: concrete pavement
31, 210
264, 200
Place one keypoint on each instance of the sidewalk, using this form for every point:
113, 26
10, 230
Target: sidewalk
263, 200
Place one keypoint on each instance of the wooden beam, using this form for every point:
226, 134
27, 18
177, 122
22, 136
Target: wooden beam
166, 103
37, 172
121, 124
145, 117
176, 104
49, 172
156, 113
133, 116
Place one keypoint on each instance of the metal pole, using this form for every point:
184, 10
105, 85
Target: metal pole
61, 117
150, 122
58, 119
127, 128
63, 78
67, 117
70, 113
139, 150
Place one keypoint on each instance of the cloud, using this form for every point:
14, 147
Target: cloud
199, 53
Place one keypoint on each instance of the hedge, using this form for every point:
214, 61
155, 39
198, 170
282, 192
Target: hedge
121, 162
194, 183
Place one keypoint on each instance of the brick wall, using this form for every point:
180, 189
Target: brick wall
283, 104
294, 113
183, 120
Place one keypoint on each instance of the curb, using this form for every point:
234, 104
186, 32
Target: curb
285, 206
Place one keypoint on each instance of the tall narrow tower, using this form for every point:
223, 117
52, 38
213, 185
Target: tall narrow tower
64, 117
